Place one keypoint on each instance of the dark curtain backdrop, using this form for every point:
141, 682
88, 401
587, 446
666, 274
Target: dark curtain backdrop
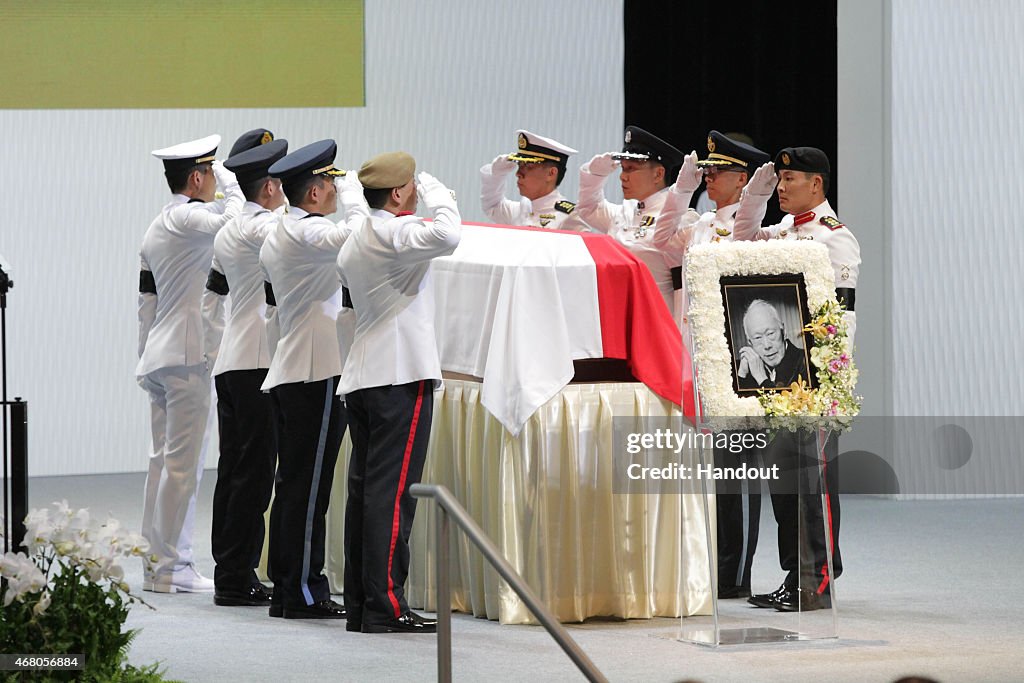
764, 69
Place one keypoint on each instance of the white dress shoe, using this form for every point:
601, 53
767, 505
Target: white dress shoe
186, 579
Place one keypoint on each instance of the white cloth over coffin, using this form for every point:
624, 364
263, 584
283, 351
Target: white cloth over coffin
515, 308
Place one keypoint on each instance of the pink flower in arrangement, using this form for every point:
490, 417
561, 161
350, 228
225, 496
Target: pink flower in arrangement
833, 410
835, 365
831, 330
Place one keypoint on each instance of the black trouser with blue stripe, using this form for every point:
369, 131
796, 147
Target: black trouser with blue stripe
245, 476
311, 423
390, 431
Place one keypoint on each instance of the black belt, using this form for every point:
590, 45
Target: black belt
677, 278
346, 298
268, 291
846, 296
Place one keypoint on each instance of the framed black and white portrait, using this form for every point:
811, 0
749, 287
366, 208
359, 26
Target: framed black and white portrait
765, 317
748, 305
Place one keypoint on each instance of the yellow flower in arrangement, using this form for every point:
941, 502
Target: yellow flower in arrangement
819, 329
801, 397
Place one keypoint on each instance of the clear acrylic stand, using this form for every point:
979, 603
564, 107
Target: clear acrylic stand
736, 621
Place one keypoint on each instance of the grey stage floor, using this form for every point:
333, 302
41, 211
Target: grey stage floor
930, 588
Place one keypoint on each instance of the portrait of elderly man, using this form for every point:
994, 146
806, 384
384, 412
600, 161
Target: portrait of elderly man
768, 359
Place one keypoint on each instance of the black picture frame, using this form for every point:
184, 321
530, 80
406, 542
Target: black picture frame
786, 294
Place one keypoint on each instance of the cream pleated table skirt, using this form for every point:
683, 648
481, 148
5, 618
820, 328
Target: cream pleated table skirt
545, 499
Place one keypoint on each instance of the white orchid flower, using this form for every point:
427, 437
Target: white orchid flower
43, 604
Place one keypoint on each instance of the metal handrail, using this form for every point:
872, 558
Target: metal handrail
448, 505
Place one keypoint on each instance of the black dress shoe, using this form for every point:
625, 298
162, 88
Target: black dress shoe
276, 610
325, 609
767, 599
730, 592
410, 622
802, 600
253, 596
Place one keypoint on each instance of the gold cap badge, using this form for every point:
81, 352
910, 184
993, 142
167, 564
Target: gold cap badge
711, 144
629, 136
785, 158
522, 141
267, 137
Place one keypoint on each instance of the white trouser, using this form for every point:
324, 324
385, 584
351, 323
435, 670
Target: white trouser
179, 399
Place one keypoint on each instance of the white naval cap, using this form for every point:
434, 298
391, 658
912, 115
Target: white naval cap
535, 148
187, 154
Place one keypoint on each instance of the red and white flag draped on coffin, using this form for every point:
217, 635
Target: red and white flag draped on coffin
515, 306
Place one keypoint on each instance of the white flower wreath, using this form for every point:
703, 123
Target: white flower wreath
831, 355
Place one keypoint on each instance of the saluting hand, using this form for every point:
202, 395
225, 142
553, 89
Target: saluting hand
602, 164
433, 193
502, 165
224, 176
764, 180
690, 175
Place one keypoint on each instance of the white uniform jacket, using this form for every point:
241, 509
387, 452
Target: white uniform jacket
298, 259
386, 266
246, 343
632, 223
552, 211
823, 227
177, 250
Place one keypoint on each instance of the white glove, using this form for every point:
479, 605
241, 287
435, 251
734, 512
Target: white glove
602, 164
348, 183
502, 165
225, 178
433, 194
350, 190
763, 182
690, 175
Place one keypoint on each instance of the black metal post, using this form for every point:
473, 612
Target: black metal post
5, 284
19, 470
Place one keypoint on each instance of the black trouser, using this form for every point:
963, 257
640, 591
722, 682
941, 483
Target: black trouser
311, 423
802, 537
390, 430
738, 505
245, 476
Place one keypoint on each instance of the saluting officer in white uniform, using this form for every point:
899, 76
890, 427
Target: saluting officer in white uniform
298, 258
648, 163
726, 170
175, 257
802, 175
248, 435
539, 164
389, 381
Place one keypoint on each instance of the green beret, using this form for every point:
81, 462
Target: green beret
388, 170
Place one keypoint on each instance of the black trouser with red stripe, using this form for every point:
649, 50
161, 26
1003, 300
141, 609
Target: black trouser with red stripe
311, 423
390, 430
738, 506
802, 538
245, 476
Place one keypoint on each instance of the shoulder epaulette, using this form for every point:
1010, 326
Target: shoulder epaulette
831, 223
565, 206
